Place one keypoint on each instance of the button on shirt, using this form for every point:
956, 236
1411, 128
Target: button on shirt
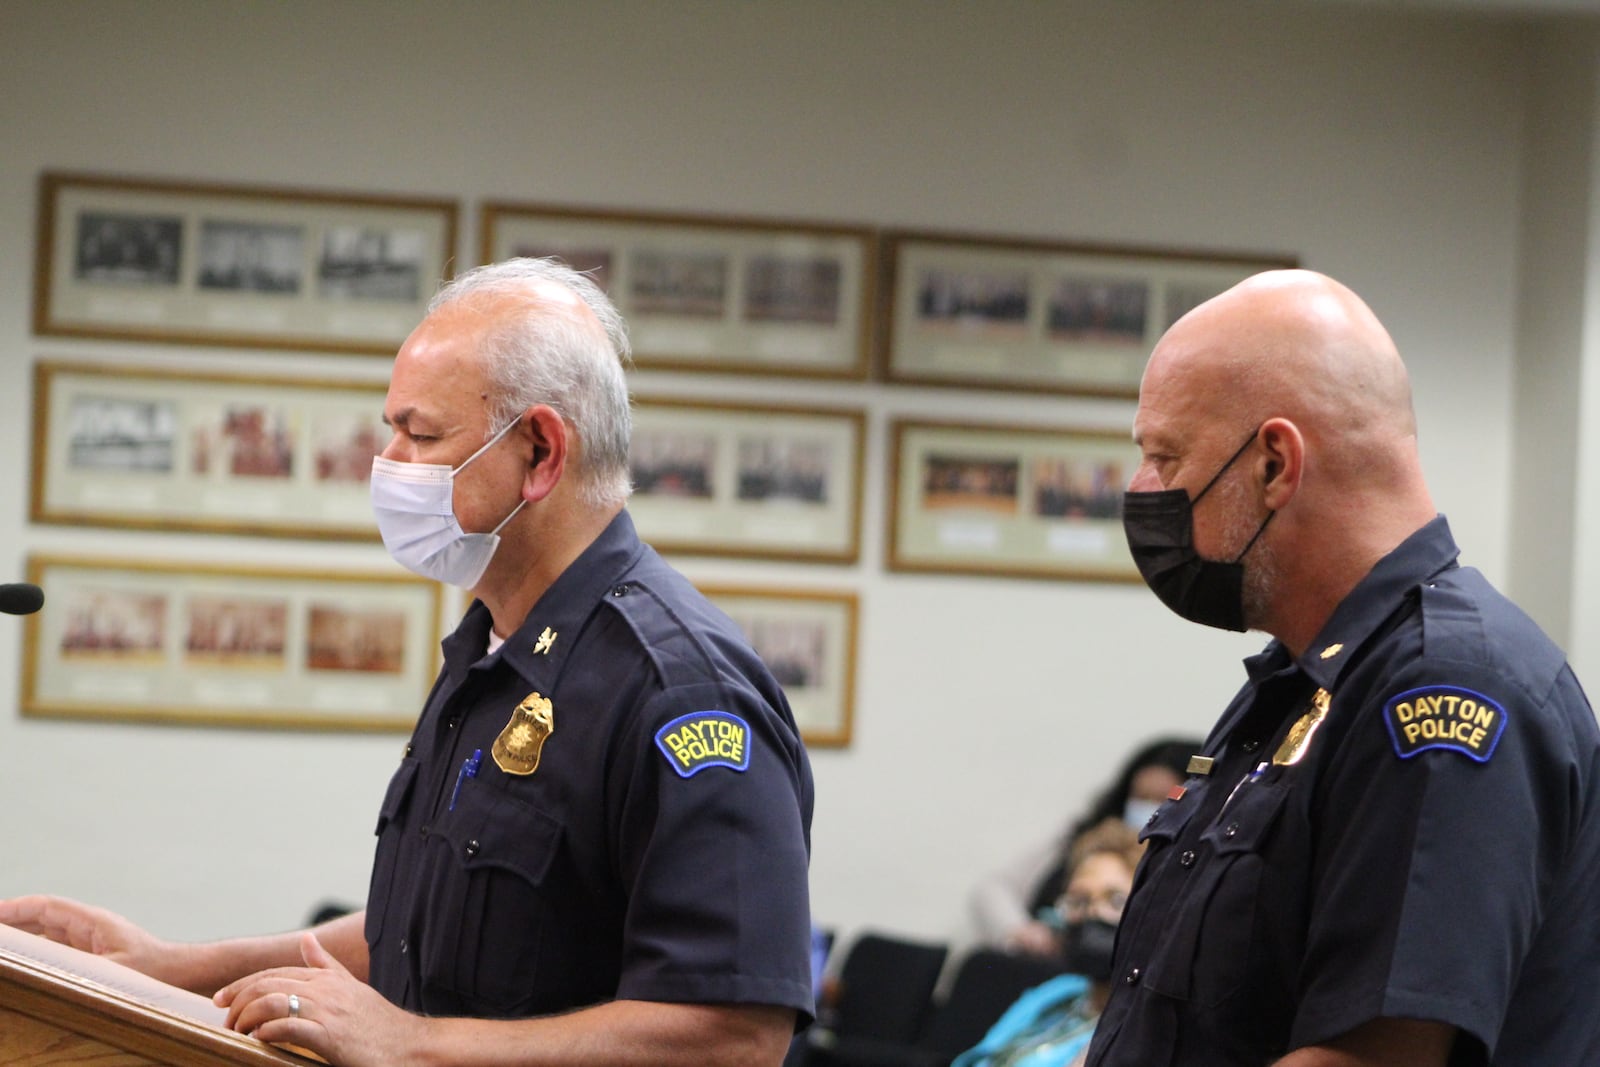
633, 862
1428, 849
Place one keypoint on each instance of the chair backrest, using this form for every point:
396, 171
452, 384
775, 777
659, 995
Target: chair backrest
987, 982
886, 988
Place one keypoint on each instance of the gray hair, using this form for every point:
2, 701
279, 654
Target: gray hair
548, 354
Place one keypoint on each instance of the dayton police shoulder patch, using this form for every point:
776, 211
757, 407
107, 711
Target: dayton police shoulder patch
1444, 716
704, 739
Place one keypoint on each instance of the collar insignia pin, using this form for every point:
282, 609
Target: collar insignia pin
1332, 650
546, 640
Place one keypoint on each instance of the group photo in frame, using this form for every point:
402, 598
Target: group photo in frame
707, 293
1019, 314
173, 642
730, 479
807, 638
1030, 502
148, 448
261, 267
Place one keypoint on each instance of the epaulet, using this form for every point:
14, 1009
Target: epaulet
671, 644
1465, 619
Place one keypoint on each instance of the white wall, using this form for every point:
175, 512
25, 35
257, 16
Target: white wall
1559, 230
1379, 146
1584, 640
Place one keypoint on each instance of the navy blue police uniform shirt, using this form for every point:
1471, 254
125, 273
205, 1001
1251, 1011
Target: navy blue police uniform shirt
614, 805
1402, 822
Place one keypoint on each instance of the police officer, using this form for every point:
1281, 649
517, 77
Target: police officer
594, 850
1388, 850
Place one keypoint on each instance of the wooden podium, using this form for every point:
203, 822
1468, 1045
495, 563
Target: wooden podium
60, 1006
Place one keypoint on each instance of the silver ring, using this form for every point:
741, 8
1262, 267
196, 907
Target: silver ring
294, 1006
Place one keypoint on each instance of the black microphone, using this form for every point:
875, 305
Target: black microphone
20, 598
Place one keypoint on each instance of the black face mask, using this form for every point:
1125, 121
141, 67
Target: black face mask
1160, 530
1086, 948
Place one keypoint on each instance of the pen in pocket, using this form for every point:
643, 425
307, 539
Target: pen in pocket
469, 769
1252, 776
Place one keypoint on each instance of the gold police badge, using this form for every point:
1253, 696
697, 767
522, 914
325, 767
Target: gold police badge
517, 749
1294, 746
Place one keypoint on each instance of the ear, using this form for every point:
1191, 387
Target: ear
551, 441
1281, 461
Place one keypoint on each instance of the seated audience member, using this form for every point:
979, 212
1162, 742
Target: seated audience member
1050, 1025
1006, 905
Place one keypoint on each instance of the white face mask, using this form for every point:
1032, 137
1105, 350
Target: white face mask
415, 507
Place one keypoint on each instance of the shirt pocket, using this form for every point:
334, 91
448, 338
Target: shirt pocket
1207, 950
1169, 820
484, 911
395, 799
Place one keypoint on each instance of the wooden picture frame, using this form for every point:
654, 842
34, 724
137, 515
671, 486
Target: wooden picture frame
998, 313
764, 481
1030, 502
711, 293
145, 448
141, 259
174, 642
807, 638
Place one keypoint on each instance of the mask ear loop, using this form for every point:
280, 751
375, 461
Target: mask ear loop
1247, 443
491, 442
1259, 531
524, 503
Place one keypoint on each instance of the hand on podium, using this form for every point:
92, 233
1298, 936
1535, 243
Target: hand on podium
323, 1008
101, 932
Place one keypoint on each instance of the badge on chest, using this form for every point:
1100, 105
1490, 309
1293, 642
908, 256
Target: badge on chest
1300, 734
517, 749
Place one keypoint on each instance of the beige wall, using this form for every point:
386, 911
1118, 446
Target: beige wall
1385, 148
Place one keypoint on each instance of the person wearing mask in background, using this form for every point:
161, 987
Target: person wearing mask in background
594, 850
1389, 851
1007, 905
1050, 1025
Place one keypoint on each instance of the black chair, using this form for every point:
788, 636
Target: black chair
329, 909
987, 982
885, 994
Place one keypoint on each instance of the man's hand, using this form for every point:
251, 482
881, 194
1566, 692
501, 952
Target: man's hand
337, 1016
95, 930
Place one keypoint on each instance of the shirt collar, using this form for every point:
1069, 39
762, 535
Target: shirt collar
1375, 598
1428, 551
539, 646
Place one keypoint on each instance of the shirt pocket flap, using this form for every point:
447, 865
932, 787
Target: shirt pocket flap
1173, 815
489, 828
1248, 818
399, 791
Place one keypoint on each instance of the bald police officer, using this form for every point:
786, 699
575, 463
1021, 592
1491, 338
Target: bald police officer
1388, 851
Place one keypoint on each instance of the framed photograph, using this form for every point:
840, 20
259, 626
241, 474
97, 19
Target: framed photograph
182, 643
1003, 500
969, 311
190, 263
743, 480
808, 639
713, 294
156, 449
